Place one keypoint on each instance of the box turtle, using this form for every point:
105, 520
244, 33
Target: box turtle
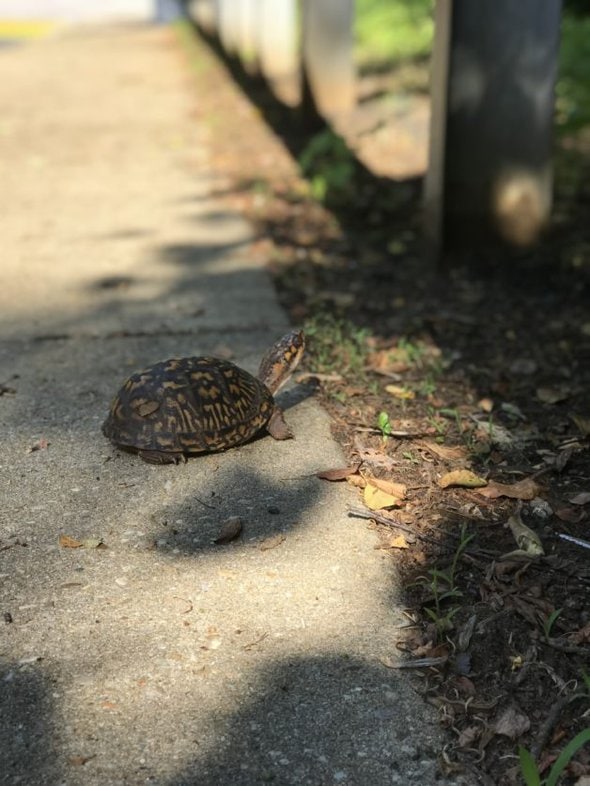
199, 404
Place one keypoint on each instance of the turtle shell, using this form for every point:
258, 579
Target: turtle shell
191, 405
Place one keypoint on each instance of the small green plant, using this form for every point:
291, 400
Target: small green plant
336, 346
384, 426
443, 587
330, 167
530, 771
550, 621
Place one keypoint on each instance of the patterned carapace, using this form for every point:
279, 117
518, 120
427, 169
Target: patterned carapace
200, 404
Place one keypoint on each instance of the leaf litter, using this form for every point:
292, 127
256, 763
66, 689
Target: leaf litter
494, 394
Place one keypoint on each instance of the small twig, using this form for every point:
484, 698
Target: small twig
578, 541
400, 434
556, 644
361, 513
551, 721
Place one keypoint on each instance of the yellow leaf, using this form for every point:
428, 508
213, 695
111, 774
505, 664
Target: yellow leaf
462, 477
398, 542
389, 487
400, 392
376, 499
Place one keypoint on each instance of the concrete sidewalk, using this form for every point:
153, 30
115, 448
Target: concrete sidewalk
163, 658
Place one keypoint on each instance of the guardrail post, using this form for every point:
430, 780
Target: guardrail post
494, 70
327, 50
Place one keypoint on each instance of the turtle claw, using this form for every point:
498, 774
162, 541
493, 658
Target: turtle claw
277, 426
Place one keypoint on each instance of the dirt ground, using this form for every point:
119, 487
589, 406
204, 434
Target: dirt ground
483, 369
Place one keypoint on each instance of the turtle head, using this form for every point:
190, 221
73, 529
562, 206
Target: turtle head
281, 360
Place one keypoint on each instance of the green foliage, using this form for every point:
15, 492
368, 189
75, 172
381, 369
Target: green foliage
336, 345
443, 587
330, 167
384, 425
573, 85
550, 621
530, 771
391, 30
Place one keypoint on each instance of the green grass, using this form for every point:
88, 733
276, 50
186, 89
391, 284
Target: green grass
388, 31
573, 86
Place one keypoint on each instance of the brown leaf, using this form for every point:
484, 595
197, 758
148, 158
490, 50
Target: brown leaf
571, 515
512, 723
340, 473
230, 530
66, 542
553, 395
522, 489
461, 477
447, 452
389, 487
79, 761
272, 542
580, 499
468, 736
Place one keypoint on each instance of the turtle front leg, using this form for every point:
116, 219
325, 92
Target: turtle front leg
161, 457
277, 426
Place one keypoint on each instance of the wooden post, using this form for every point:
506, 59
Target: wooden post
494, 71
203, 12
327, 50
277, 43
248, 21
227, 24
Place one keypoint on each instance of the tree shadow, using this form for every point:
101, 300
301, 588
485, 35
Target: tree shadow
27, 726
318, 719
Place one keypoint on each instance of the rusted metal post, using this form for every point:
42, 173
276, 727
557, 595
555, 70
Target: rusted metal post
494, 69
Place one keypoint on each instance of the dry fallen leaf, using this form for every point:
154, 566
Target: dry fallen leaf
230, 530
447, 452
512, 723
526, 538
66, 542
468, 736
571, 515
340, 473
486, 404
461, 477
389, 487
523, 489
272, 542
580, 499
553, 395
398, 542
376, 499
398, 391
